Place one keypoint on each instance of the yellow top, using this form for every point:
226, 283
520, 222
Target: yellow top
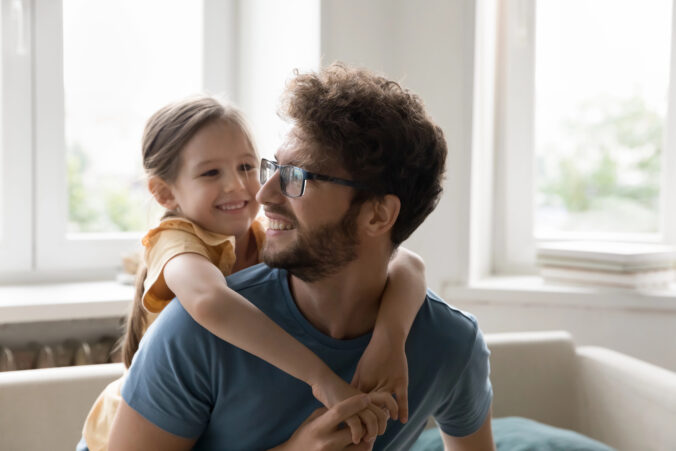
172, 237
176, 236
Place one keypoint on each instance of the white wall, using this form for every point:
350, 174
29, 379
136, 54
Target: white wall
279, 36
645, 333
428, 47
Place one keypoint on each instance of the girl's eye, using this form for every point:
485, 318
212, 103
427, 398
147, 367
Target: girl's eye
210, 173
246, 167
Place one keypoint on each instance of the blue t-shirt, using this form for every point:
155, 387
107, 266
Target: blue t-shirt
189, 382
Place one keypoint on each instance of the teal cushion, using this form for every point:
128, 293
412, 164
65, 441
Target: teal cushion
521, 434
429, 440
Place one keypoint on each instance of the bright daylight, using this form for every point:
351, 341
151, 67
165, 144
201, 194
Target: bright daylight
338, 225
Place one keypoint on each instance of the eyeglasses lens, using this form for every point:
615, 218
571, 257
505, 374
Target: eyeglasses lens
268, 169
293, 180
290, 178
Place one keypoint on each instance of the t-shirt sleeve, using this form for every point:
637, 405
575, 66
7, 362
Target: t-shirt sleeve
165, 245
170, 380
469, 399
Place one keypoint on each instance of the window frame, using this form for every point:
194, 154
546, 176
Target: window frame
16, 247
33, 145
515, 242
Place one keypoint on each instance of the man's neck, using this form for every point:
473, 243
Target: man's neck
344, 305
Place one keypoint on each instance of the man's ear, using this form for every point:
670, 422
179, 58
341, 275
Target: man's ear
162, 193
381, 214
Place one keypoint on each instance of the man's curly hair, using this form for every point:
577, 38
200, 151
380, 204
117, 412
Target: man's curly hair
377, 131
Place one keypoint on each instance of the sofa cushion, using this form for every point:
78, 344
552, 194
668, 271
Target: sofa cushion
521, 434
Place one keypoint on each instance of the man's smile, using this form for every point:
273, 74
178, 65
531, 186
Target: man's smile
275, 224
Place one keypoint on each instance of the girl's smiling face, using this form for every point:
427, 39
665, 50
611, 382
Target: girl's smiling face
217, 180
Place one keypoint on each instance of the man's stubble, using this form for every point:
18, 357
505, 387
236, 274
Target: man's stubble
321, 252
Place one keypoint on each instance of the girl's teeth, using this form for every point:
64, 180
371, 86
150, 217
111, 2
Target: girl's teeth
279, 225
232, 206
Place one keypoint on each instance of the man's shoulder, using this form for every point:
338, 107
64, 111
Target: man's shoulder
450, 338
444, 327
441, 316
254, 276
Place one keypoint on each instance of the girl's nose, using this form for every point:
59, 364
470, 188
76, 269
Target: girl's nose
235, 181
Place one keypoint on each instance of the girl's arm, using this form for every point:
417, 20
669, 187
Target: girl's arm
383, 366
203, 292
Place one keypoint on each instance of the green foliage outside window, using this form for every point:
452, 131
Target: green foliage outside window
612, 159
82, 215
105, 205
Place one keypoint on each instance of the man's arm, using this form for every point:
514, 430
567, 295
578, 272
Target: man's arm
131, 432
170, 381
464, 417
481, 440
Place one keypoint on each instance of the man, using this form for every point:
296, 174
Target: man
381, 163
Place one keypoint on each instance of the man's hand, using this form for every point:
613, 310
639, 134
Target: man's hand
322, 430
383, 368
368, 422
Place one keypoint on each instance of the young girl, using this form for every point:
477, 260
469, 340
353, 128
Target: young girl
202, 167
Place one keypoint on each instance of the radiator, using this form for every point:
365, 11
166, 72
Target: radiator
66, 353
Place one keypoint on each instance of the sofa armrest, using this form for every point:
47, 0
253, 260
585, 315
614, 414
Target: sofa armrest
625, 402
46, 408
533, 376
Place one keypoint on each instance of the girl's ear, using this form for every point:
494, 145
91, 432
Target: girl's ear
162, 193
381, 214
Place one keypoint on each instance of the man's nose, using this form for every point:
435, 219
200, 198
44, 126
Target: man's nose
270, 192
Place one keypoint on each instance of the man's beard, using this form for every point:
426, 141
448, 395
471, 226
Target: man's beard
321, 252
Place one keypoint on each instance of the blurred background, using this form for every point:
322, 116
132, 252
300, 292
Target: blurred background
556, 113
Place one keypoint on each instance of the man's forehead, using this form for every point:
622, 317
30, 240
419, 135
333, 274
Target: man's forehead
299, 151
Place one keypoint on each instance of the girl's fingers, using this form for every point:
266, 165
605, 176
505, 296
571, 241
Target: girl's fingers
341, 439
368, 417
402, 400
386, 401
344, 410
356, 428
382, 416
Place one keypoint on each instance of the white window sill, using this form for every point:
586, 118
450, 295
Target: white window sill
531, 291
109, 299
65, 301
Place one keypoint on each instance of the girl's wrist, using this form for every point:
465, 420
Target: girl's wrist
390, 336
319, 380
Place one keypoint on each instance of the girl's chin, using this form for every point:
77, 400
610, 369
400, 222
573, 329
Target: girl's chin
240, 228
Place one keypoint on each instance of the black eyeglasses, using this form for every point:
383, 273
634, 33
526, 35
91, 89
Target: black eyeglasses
292, 178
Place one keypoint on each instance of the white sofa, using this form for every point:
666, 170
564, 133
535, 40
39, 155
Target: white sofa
621, 401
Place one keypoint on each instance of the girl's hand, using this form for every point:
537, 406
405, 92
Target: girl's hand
383, 368
322, 430
369, 422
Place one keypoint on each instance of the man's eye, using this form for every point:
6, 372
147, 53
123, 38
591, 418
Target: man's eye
210, 173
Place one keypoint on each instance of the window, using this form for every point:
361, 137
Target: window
582, 119
113, 81
100, 70
79, 80
16, 188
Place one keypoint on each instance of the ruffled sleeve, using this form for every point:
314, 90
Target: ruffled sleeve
175, 236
